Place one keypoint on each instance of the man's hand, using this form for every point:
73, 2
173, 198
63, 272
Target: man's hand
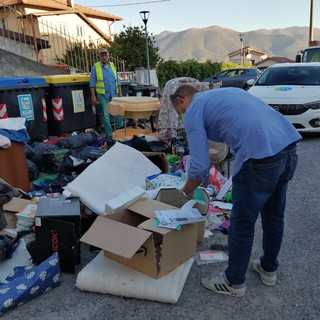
94, 100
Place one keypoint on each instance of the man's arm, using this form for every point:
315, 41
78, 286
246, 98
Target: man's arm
93, 96
92, 84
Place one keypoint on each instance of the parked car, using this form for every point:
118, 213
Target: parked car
294, 90
236, 77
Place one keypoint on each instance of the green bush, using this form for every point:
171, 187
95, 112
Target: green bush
170, 69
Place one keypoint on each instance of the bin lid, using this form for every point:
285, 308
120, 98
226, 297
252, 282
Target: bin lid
67, 78
21, 82
125, 82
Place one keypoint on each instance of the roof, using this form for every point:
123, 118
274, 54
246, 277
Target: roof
62, 5
248, 48
275, 59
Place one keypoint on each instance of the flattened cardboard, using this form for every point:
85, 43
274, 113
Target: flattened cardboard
163, 249
11, 208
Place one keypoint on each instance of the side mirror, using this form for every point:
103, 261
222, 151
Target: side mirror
250, 82
298, 58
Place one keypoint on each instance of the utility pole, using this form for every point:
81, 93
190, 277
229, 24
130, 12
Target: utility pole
311, 24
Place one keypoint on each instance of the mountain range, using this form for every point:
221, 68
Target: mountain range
215, 42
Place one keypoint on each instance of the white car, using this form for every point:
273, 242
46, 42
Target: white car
294, 90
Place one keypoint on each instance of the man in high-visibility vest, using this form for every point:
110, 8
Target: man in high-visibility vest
104, 85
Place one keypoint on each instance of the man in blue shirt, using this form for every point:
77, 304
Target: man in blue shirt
264, 143
104, 85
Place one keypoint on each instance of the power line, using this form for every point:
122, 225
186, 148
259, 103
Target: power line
127, 4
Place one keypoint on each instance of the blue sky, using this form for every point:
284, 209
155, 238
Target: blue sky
178, 15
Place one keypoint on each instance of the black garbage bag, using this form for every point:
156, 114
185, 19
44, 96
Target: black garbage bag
33, 170
159, 146
28, 151
6, 244
52, 160
39, 149
78, 159
139, 143
79, 140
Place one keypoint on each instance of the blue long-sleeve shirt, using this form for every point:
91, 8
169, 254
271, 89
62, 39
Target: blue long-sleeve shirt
108, 79
243, 122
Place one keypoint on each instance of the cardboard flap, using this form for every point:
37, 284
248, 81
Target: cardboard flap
115, 237
16, 204
175, 198
146, 207
150, 225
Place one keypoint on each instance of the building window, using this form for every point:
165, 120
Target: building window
80, 31
62, 28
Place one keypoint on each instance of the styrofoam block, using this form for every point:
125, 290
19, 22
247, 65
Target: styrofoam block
124, 200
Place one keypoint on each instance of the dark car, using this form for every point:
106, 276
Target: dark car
236, 77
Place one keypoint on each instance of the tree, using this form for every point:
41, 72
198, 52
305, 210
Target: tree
130, 45
170, 69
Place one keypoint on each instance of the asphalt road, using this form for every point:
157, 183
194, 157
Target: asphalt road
295, 297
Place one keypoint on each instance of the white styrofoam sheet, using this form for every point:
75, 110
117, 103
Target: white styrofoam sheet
103, 275
120, 169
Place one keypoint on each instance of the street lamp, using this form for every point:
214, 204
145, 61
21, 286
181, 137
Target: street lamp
241, 51
145, 16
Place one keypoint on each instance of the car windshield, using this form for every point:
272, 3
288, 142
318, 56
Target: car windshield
291, 75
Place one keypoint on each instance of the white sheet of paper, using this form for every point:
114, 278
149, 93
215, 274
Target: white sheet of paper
222, 205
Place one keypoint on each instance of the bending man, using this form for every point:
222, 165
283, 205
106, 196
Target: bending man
264, 143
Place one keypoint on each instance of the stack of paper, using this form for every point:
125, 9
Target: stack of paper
174, 218
26, 218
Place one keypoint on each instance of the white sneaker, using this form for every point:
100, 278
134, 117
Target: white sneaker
267, 278
220, 284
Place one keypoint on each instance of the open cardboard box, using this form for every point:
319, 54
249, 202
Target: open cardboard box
174, 197
12, 207
130, 237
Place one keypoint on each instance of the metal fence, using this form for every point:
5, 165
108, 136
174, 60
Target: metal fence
54, 46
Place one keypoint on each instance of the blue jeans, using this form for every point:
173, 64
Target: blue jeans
259, 186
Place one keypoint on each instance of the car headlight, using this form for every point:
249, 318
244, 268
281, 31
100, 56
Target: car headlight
313, 105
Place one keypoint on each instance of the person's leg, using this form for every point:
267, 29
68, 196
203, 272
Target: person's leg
105, 114
119, 122
252, 188
272, 215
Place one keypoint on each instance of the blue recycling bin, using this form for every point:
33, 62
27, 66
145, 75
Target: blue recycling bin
25, 97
